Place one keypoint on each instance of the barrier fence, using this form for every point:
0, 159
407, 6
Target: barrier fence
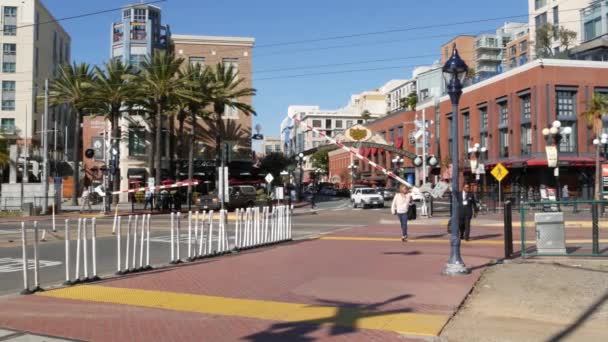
208, 234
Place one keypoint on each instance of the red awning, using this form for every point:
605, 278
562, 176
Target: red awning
399, 142
374, 151
362, 151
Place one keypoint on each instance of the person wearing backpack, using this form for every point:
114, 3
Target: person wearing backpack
400, 207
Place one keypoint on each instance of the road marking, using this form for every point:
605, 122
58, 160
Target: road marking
8, 265
402, 323
7, 232
183, 239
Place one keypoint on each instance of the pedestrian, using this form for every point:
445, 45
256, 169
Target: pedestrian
565, 193
400, 207
149, 198
312, 198
467, 212
86, 199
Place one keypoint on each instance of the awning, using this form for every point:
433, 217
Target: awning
399, 142
137, 173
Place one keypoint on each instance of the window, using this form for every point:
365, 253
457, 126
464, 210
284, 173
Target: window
593, 28
539, 3
10, 30
359, 122
197, 61
36, 62
483, 118
525, 107
316, 123
504, 143
483, 142
523, 46
565, 104
231, 112
555, 16
7, 125
137, 141
400, 131
523, 59
136, 60
526, 140
60, 50
503, 113
10, 12
339, 124
328, 123
512, 62
9, 49
466, 141
467, 123
392, 134
126, 14
513, 50
8, 95
540, 19
349, 123
139, 15
231, 62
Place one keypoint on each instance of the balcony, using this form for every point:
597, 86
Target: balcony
488, 43
489, 57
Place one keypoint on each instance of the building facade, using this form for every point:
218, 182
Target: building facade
271, 145
465, 43
517, 52
507, 113
594, 33
396, 96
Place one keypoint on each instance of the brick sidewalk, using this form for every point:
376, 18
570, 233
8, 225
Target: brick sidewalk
342, 290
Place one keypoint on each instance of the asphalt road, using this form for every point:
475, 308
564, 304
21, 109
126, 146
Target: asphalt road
327, 217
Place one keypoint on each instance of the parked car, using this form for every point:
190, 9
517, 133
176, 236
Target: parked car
241, 196
366, 197
387, 193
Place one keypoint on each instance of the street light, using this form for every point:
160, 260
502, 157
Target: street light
478, 152
300, 159
554, 135
454, 74
599, 144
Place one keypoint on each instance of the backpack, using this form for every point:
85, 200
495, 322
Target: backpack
411, 211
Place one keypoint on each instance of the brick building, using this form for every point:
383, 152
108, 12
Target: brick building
507, 113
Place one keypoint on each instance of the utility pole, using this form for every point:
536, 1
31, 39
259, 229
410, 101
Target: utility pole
24, 170
45, 151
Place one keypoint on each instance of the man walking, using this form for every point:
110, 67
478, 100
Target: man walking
468, 211
86, 199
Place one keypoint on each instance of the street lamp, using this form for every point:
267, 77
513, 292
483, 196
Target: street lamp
300, 159
454, 74
599, 144
478, 152
353, 171
554, 135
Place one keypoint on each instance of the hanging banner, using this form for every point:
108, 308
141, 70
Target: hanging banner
551, 156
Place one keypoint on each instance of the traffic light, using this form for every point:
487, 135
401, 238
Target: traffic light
430, 161
89, 153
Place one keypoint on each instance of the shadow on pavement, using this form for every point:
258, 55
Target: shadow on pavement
343, 322
483, 237
403, 253
562, 335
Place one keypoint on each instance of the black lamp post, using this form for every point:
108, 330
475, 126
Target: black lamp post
454, 74
300, 158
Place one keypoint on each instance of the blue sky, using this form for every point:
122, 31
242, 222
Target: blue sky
274, 21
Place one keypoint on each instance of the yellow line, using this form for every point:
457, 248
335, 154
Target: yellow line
517, 224
403, 323
473, 242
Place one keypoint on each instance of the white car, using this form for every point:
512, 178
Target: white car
367, 197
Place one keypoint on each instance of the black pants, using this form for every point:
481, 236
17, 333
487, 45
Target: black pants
465, 227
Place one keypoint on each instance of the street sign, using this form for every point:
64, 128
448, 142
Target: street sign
269, 178
551, 156
481, 169
439, 189
279, 193
499, 172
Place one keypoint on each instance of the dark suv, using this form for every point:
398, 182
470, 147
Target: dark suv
241, 196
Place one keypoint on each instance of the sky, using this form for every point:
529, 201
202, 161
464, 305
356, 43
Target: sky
280, 22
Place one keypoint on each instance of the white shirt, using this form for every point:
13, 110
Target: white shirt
401, 203
464, 198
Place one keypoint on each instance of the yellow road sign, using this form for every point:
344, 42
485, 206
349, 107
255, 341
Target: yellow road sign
499, 172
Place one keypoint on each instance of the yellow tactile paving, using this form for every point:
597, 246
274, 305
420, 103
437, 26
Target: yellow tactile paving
473, 242
403, 323
517, 224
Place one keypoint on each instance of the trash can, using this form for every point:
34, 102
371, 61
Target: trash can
550, 233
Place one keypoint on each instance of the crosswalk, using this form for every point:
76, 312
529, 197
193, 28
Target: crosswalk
182, 239
8, 265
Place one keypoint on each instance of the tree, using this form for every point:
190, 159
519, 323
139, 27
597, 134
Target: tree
227, 91
320, 160
274, 163
159, 80
544, 40
73, 87
112, 88
366, 115
598, 109
412, 100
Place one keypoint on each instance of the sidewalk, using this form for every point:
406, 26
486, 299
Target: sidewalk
346, 286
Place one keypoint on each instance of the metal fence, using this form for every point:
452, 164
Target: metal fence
8, 203
584, 233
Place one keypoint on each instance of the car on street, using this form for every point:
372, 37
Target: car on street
387, 193
367, 197
241, 196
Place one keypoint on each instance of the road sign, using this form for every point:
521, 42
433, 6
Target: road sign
551, 156
499, 172
269, 178
439, 189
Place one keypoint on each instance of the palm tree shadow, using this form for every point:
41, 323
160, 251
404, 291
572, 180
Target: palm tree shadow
343, 322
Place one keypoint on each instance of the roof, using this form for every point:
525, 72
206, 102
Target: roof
212, 40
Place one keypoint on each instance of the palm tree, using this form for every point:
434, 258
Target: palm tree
598, 108
227, 90
73, 87
159, 81
112, 88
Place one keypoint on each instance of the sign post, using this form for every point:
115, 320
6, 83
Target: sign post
499, 172
269, 178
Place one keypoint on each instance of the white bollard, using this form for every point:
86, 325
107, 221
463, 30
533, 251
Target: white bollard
256, 224
128, 243
43, 238
36, 260
179, 223
172, 239
249, 227
272, 225
220, 223
190, 235
266, 238
53, 216
94, 249
26, 283
134, 263
290, 223
141, 241
84, 250
115, 220
201, 236
67, 253
236, 228
196, 214
118, 247
78, 236
148, 266
210, 236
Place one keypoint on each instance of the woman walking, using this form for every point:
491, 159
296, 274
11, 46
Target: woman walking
400, 206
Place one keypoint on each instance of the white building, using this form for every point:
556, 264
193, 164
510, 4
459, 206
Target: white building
401, 91
34, 45
564, 13
271, 145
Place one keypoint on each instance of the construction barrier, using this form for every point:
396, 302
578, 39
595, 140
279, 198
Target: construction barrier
209, 234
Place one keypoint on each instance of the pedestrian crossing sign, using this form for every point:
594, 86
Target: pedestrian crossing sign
499, 172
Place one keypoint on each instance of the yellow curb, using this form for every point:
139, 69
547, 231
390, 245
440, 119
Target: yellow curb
517, 224
399, 322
